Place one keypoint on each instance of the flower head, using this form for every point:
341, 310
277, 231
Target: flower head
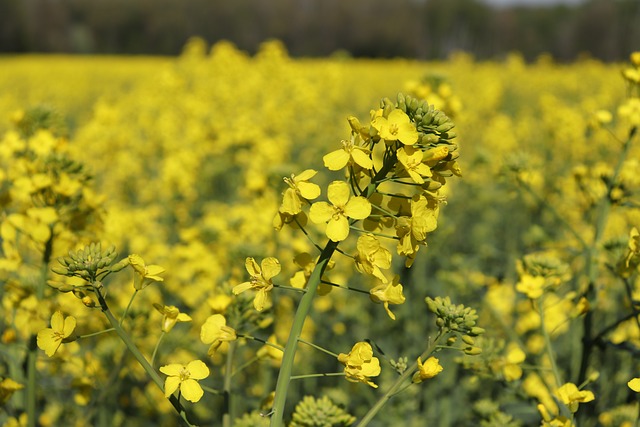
372, 257
429, 369
215, 331
260, 280
413, 230
337, 214
360, 364
350, 153
50, 339
396, 127
299, 188
571, 396
410, 160
185, 378
171, 316
145, 274
389, 293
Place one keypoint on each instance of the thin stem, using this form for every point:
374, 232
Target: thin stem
126, 310
317, 347
155, 350
335, 285
227, 415
330, 374
245, 365
79, 337
290, 288
399, 382
307, 234
265, 342
547, 344
175, 401
210, 390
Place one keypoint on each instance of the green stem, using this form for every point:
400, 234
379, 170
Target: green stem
126, 310
227, 415
32, 355
547, 344
284, 376
317, 347
155, 377
330, 374
400, 381
155, 350
79, 337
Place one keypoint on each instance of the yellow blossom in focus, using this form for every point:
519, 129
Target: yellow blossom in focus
360, 364
144, 274
50, 339
429, 369
185, 378
572, 397
171, 316
396, 127
299, 188
337, 214
410, 160
260, 280
350, 153
413, 230
215, 331
389, 293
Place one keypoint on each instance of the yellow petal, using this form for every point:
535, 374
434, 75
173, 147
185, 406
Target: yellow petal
197, 369
291, 203
321, 212
361, 159
338, 193
305, 175
261, 299
171, 384
69, 326
211, 328
48, 341
191, 390
357, 208
173, 369
309, 190
238, 289
270, 267
252, 267
634, 385
338, 228
336, 160
57, 321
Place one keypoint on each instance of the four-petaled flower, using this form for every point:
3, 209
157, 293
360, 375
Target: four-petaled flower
145, 274
299, 188
261, 276
337, 213
350, 153
215, 331
410, 159
50, 339
185, 378
171, 316
360, 364
571, 396
396, 127
429, 369
372, 256
388, 293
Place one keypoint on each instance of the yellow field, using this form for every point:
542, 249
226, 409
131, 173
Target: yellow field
182, 171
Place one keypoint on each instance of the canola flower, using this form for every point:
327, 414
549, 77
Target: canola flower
50, 339
184, 378
260, 281
215, 331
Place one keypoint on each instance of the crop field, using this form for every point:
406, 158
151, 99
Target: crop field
220, 239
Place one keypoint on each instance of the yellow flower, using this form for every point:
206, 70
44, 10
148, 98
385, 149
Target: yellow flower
215, 331
299, 187
260, 280
350, 153
360, 364
50, 339
429, 369
571, 396
515, 356
390, 293
145, 274
413, 230
531, 286
337, 213
396, 127
7, 388
634, 385
185, 378
410, 159
171, 315
371, 257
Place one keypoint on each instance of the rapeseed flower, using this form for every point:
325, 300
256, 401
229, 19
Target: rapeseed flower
413, 230
50, 339
388, 293
396, 127
337, 214
571, 396
215, 331
360, 364
171, 316
429, 369
372, 257
410, 160
145, 274
350, 153
185, 378
299, 188
261, 276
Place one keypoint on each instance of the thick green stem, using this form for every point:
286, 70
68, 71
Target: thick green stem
284, 376
399, 383
140, 357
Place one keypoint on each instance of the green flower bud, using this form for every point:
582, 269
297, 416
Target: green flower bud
472, 351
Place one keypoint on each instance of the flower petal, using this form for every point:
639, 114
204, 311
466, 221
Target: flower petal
338, 228
57, 321
336, 160
197, 369
238, 289
338, 193
270, 267
171, 384
309, 190
173, 369
321, 212
211, 329
191, 390
305, 175
358, 208
252, 267
69, 326
291, 203
48, 341
361, 159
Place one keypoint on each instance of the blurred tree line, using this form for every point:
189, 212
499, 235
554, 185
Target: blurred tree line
424, 29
